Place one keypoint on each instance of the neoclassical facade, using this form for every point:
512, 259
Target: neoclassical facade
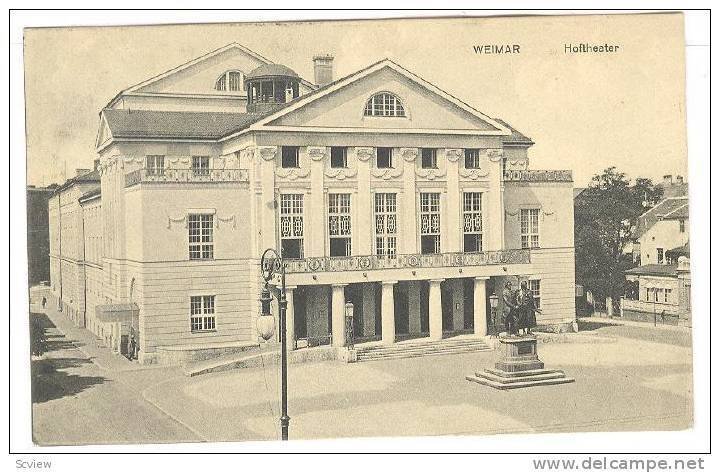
379, 188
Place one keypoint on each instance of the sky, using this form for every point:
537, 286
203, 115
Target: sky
585, 112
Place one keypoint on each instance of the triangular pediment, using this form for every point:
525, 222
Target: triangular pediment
200, 75
104, 134
426, 107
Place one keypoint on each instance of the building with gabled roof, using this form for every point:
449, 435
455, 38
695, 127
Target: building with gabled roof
379, 188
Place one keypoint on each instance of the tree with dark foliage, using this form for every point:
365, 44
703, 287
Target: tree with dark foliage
604, 215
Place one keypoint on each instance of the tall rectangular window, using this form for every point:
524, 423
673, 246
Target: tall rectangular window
202, 313
472, 221
291, 225
472, 158
667, 295
385, 224
155, 165
429, 222
338, 157
290, 157
529, 228
682, 225
660, 255
200, 234
339, 224
428, 158
384, 158
534, 287
201, 165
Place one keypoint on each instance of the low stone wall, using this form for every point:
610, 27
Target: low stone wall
265, 358
187, 354
640, 316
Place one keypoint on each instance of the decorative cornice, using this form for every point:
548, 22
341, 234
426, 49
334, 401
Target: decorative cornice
453, 154
292, 174
430, 174
266, 152
494, 154
409, 154
474, 174
340, 173
317, 153
364, 153
387, 173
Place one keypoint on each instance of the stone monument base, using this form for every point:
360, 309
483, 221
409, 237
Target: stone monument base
519, 367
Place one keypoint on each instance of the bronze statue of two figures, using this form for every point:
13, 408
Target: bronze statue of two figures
519, 309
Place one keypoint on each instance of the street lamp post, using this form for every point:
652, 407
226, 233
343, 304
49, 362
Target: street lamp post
270, 263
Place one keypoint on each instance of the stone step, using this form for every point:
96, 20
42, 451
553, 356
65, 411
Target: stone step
396, 349
520, 384
515, 374
519, 379
410, 346
428, 351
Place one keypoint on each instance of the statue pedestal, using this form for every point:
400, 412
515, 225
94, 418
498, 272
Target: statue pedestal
519, 367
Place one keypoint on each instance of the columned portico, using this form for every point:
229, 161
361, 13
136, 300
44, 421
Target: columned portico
290, 317
435, 309
414, 324
368, 310
338, 315
387, 312
480, 308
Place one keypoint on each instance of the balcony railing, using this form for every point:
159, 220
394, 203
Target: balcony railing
538, 175
185, 175
413, 261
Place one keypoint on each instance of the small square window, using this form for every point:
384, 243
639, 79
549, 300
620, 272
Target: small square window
384, 158
338, 157
429, 158
290, 157
472, 159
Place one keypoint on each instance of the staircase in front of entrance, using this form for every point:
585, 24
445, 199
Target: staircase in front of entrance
420, 347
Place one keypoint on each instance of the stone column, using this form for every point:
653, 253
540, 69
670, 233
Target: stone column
435, 312
315, 225
480, 307
290, 316
454, 202
387, 313
267, 155
407, 243
338, 315
495, 203
458, 302
368, 309
414, 307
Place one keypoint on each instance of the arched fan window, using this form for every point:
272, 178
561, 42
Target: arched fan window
231, 81
384, 104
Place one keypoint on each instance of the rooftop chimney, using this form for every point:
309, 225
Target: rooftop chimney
323, 69
80, 172
679, 179
667, 179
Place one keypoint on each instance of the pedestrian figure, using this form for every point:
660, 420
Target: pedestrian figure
44, 302
510, 309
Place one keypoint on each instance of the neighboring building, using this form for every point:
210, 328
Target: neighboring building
662, 228
38, 236
659, 288
67, 261
380, 189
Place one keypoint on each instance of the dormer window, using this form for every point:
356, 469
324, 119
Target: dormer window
231, 81
384, 104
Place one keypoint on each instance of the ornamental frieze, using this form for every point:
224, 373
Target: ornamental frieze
365, 153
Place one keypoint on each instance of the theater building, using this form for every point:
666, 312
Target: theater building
380, 189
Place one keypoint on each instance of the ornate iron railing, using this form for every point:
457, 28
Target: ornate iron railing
538, 175
374, 262
185, 175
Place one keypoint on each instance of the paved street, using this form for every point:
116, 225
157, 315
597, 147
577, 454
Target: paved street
624, 381
84, 394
